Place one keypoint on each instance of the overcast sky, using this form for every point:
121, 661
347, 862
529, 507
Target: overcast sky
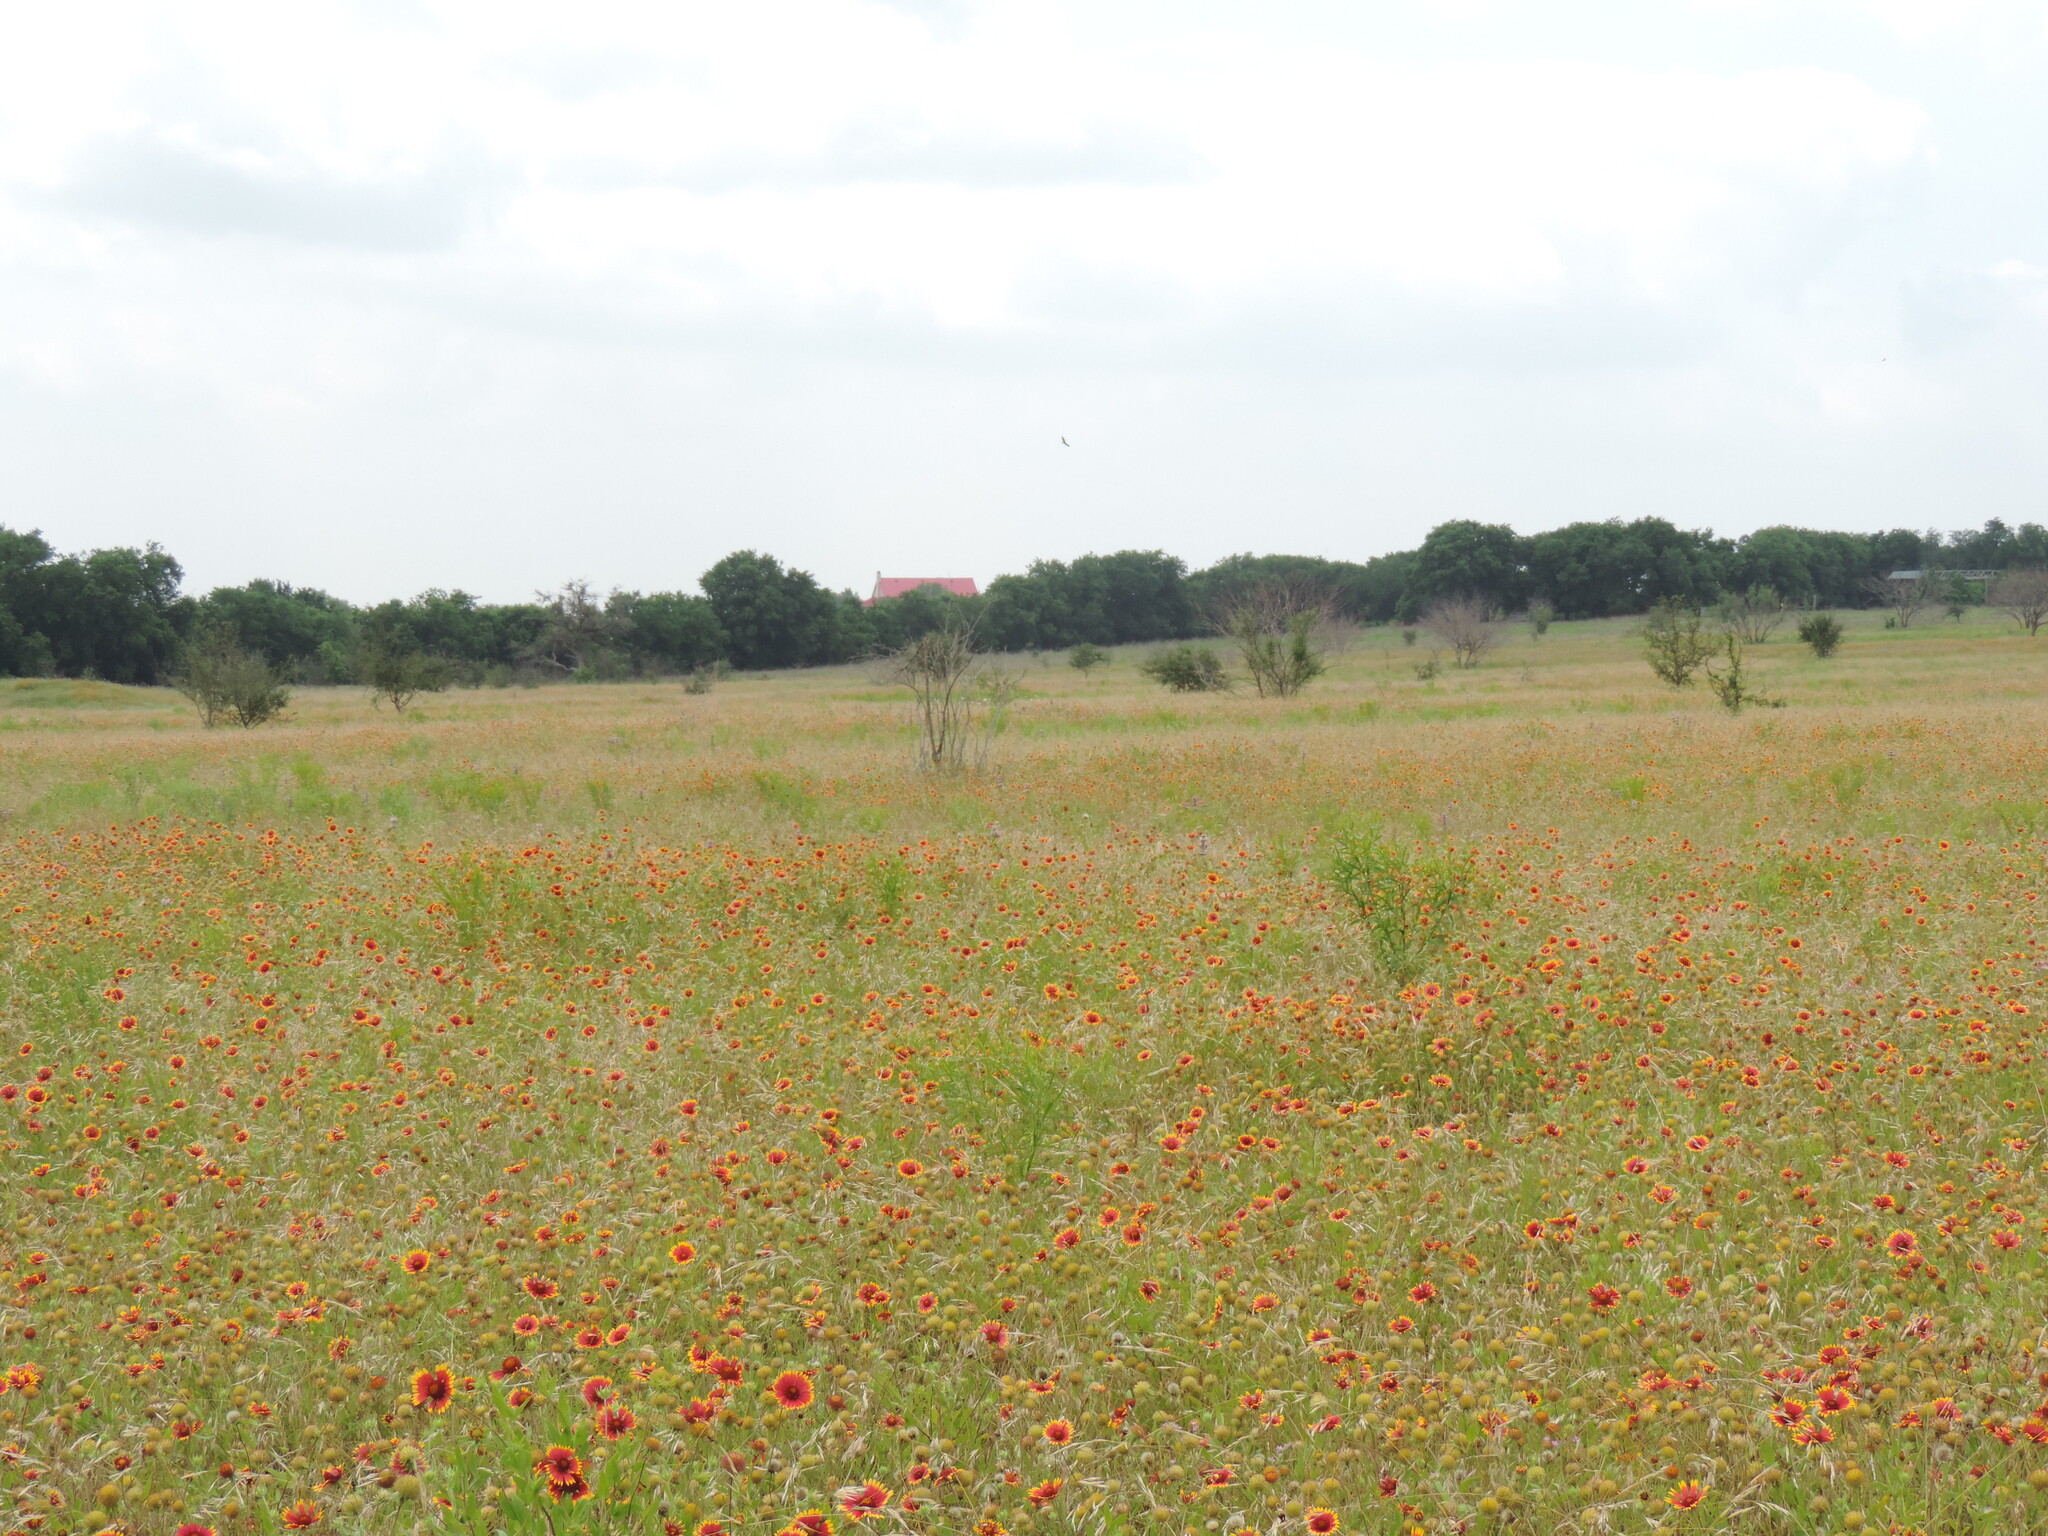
392, 295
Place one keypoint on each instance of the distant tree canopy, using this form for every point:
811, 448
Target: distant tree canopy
118, 614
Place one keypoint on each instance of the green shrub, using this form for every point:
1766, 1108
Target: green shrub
228, 682
1084, 658
1187, 669
1822, 631
1677, 645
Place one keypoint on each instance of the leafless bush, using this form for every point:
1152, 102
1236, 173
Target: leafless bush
1468, 625
1284, 632
1907, 596
2022, 596
1751, 616
959, 699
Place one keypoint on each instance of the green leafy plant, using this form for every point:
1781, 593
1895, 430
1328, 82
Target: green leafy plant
229, 683
1731, 683
1084, 658
1187, 669
400, 674
1821, 631
1678, 647
1405, 896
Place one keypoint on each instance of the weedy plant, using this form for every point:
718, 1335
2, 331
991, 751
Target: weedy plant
1406, 898
1731, 683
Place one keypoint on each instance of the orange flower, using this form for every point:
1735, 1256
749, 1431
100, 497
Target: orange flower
864, 1499
683, 1252
433, 1389
1045, 1492
811, 1523
300, 1515
615, 1421
559, 1465
910, 1167
793, 1390
1685, 1495
539, 1289
1323, 1522
1058, 1432
416, 1262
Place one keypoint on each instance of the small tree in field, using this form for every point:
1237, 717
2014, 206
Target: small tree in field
1676, 644
2022, 596
1085, 658
1280, 632
1541, 616
1822, 631
228, 682
1466, 624
401, 674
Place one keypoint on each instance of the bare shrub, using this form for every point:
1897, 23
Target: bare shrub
960, 701
2022, 596
1468, 625
584, 634
1751, 616
1907, 596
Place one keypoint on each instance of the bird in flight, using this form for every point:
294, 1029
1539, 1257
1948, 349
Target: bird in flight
1065, 444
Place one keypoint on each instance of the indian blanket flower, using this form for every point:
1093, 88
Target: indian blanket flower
862, 1500
793, 1390
433, 1388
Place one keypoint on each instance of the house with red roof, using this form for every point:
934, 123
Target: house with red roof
897, 586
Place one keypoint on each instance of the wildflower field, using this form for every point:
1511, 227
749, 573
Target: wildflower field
1522, 1099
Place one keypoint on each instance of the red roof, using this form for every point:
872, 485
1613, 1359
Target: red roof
897, 586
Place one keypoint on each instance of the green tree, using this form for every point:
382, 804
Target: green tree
671, 631
1592, 570
1676, 644
1468, 559
772, 617
300, 631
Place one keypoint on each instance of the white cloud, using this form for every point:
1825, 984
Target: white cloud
315, 220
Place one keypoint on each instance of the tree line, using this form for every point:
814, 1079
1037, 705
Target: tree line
121, 614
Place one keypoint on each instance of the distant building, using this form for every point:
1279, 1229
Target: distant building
897, 586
